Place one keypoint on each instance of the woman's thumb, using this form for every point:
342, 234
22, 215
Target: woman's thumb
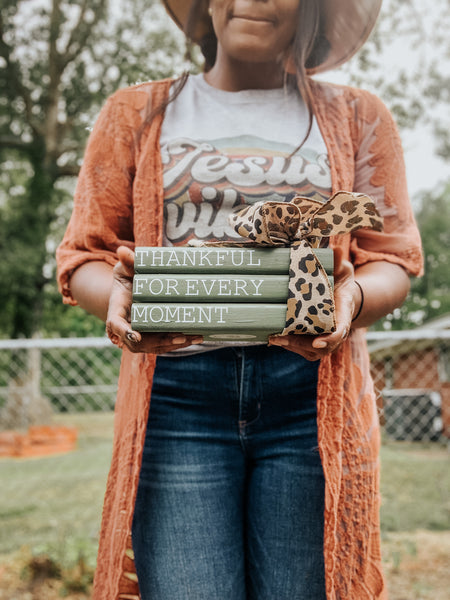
126, 257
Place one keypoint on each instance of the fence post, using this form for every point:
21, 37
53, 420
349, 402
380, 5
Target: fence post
34, 375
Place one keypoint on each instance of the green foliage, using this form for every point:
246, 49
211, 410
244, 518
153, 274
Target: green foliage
430, 294
59, 60
62, 320
416, 90
24, 229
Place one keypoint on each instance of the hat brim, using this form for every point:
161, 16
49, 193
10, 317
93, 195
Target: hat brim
348, 24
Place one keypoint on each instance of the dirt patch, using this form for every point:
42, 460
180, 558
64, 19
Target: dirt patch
27, 577
416, 564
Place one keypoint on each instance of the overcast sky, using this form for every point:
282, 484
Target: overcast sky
424, 168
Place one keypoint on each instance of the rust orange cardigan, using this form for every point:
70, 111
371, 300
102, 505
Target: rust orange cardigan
119, 200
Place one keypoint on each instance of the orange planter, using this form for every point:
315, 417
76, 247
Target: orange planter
39, 440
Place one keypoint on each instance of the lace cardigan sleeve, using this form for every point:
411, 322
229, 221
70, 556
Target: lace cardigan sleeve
102, 217
380, 173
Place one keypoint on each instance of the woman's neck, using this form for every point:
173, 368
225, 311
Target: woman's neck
233, 76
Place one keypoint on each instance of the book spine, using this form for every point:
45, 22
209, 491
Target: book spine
213, 320
182, 259
210, 288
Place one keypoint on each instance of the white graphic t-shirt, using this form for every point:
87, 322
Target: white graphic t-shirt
223, 150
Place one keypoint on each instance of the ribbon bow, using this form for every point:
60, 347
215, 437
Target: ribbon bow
300, 224
304, 219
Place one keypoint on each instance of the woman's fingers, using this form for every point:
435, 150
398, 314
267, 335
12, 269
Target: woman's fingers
126, 259
118, 325
316, 347
118, 317
121, 334
161, 343
300, 344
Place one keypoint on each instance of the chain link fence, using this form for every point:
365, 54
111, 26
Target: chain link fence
41, 377
411, 373
65, 375
71, 384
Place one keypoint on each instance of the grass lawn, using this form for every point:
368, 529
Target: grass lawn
415, 520
415, 487
52, 506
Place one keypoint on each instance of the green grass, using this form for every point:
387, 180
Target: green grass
415, 487
53, 504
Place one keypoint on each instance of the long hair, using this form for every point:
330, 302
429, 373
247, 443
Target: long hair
309, 49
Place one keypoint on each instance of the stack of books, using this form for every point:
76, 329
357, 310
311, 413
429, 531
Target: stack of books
221, 293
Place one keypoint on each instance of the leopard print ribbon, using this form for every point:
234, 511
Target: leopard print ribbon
301, 224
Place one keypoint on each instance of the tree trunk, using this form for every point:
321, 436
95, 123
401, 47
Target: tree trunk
32, 225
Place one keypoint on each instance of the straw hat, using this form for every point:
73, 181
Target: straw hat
348, 24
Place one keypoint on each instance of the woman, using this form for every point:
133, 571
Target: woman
255, 473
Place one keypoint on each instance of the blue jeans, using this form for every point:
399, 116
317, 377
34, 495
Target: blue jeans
231, 495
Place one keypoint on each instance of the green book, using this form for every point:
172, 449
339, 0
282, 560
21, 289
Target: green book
225, 259
215, 321
210, 288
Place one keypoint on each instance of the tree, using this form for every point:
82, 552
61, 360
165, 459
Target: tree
406, 62
417, 91
430, 295
59, 60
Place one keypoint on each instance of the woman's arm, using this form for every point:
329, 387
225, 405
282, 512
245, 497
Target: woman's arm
91, 285
384, 285
106, 292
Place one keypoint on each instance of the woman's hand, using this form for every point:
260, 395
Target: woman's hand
347, 299
118, 318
